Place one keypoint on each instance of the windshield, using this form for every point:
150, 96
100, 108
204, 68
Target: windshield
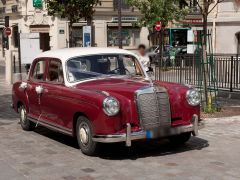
88, 67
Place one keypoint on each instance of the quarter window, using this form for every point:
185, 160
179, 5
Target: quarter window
39, 70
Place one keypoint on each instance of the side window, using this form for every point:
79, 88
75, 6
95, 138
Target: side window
55, 72
39, 70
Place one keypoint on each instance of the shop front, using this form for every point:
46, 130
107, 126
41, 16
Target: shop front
130, 36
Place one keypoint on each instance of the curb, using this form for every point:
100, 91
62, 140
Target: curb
229, 95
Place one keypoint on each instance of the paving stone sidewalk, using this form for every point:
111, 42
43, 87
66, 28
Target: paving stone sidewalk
46, 155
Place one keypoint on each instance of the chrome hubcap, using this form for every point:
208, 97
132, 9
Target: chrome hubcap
84, 135
23, 116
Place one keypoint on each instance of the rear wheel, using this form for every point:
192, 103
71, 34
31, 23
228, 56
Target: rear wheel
84, 136
180, 139
25, 123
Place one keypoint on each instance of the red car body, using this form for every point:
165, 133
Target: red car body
59, 105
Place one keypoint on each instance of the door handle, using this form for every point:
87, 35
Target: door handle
39, 89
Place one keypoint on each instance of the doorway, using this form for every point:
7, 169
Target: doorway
44, 36
44, 41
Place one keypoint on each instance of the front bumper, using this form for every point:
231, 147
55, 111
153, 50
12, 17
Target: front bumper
150, 134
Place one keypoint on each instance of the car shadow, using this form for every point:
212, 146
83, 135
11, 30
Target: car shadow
142, 149
139, 149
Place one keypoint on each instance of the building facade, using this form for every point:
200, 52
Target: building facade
1, 34
224, 23
54, 31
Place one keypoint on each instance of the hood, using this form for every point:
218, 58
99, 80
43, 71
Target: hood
115, 85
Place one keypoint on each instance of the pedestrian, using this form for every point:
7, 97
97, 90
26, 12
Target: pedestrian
144, 58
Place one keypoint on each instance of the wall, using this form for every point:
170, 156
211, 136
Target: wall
227, 18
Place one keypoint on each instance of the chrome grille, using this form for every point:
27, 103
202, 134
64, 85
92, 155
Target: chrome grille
153, 108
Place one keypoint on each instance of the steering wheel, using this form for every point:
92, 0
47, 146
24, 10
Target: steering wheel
117, 70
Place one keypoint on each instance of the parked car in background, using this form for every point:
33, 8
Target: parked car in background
153, 53
103, 95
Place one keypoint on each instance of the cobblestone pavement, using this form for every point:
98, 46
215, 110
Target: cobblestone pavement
46, 155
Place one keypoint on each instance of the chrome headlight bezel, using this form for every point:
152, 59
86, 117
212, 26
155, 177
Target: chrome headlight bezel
193, 97
111, 102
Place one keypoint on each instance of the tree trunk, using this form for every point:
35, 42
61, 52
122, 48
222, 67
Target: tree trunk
205, 58
70, 35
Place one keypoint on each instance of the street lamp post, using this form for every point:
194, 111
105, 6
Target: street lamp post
120, 24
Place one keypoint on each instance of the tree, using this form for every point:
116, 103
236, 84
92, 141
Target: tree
159, 10
73, 10
206, 7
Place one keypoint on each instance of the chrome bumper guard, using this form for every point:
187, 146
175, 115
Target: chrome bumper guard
129, 136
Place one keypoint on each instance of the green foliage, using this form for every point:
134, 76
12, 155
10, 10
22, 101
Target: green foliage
155, 10
74, 10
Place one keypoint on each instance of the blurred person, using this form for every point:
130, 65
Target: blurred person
144, 58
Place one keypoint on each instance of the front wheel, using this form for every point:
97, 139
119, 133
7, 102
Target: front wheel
84, 136
25, 123
180, 139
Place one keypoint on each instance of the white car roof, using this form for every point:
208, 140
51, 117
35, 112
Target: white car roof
67, 53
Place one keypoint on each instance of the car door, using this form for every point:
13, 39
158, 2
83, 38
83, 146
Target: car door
52, 98
36, 78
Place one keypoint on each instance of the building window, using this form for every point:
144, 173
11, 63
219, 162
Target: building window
14, 8
194, 9
130, 37
124, 4
193, 3
1, 38
2, 10
15, 36
77, 33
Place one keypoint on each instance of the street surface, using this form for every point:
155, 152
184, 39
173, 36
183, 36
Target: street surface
46, 155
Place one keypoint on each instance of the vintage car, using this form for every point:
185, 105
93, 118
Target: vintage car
103, 95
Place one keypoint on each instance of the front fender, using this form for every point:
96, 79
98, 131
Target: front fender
19, 96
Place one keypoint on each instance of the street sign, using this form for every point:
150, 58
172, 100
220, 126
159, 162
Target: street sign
37, 3
7, 31
158, 26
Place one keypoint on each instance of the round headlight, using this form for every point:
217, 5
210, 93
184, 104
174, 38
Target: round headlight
111, 106
193, 97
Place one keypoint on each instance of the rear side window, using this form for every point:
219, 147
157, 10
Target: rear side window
39, 70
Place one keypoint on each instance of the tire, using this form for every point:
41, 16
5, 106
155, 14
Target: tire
180, 139
84, 132
25, 123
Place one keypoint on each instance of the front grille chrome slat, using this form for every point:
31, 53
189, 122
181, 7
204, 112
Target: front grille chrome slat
153, 107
